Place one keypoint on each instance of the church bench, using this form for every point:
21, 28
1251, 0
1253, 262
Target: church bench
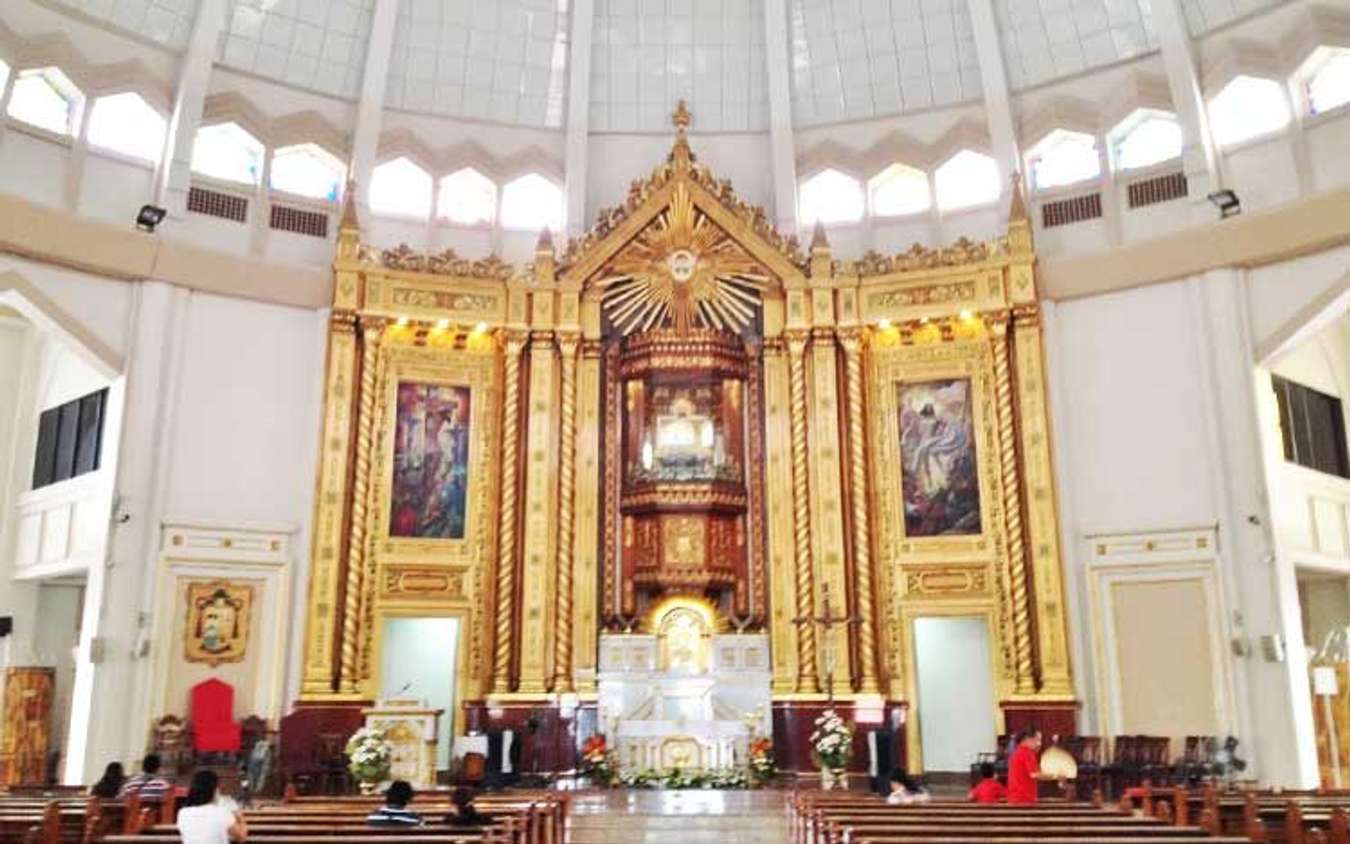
354, 836
544, 811
815, 818
1030, 837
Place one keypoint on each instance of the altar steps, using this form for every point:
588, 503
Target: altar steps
686, 817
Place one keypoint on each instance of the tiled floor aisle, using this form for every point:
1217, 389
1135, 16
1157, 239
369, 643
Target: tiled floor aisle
687, 817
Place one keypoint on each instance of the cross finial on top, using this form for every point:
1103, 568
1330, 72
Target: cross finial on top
681, 116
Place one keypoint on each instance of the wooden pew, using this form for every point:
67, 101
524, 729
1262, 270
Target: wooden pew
834, 819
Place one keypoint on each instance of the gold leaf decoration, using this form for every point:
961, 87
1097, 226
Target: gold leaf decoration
682, 271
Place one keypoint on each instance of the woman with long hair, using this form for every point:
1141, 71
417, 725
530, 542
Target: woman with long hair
111, 783
206, 818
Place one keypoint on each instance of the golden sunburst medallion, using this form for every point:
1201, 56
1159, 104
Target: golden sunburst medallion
682, 271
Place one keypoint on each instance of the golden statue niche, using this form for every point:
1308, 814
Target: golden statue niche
685, 403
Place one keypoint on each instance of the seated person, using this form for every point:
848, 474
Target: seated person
111, 783
148, 784
466, 814
988, 789
394, 812
906, 790
207, 816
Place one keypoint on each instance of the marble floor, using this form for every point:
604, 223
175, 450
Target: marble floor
687, 817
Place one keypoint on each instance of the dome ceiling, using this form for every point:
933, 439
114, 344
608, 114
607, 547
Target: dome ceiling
508, 60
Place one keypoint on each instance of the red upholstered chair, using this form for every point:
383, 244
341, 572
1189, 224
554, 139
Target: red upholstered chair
214, 729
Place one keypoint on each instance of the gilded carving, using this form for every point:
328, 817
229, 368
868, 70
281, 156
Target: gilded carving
424, 582
932, 294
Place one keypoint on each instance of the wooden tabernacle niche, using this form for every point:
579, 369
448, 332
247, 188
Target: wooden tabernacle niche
684, 400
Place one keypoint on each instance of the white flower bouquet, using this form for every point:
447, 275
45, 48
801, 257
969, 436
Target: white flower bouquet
832, 740
368, 755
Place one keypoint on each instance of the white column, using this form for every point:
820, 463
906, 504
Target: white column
175, 174
1071, 540
1274, 700
782, 151
370, 106
112, 682
1201, 164
578, 116
79, 155
997, 101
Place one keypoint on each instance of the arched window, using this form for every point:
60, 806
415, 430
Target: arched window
830, 197
967, 179
226, 151
1146, 137
127, 124
467, 196
532, 202
1247, 107
45, 97
1062, 158
899, 190
400, 187
307, 170
1329, 85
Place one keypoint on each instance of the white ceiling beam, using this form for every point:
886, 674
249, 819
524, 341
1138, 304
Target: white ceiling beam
997, 98
1201, 164
370, 105
194, 78
576, 154
782, 148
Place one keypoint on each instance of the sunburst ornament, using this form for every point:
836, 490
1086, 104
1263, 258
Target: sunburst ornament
682, 271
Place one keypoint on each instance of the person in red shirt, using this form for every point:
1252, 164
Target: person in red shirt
1024, 767
989, 789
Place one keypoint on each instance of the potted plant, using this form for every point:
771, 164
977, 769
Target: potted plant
368, 758
832, 745
595, 760
762, 767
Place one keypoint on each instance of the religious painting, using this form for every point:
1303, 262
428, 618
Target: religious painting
217, 621
939, 473
429, 497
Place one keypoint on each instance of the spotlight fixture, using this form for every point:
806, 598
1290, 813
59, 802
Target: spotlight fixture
149, 216
1227, 202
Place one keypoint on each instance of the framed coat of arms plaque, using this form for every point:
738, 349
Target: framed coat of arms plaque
217, 621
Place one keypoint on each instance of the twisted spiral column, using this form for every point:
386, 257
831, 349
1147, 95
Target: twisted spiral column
862, 551
356, 536
1025, 681
506, 533
562, 642
807, 679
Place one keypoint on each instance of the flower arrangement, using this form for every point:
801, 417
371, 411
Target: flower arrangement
719, 778
762, 767
832, 740
368, 756
596, 760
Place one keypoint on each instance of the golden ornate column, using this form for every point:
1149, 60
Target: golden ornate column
538, 556
1015, 573
852, 342
827, 502
585, 558
567, 432
1042, 520
322, 635
513, 344
353, 602
781, 551
807, 679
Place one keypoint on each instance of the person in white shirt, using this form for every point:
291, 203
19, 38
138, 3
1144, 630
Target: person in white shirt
905, 790
207, 817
